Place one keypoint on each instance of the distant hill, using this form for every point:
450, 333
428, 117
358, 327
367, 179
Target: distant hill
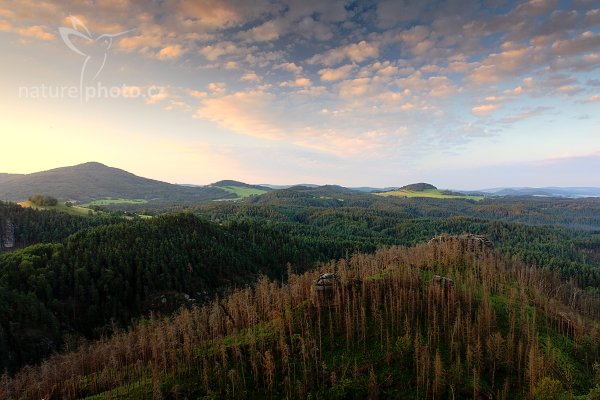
319, 196
94, 181
368, 189
240, 189
6, 177
418, 187
545, 191
228, 182
277, 187
428, 190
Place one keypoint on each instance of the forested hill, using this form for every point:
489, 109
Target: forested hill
419, 187
429, 322
335, 223
573, 213
92, 181
232, 183
5, 177
119, 272
20, 227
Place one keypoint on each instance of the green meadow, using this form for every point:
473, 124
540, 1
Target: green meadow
73, 210
429, 193
242, 192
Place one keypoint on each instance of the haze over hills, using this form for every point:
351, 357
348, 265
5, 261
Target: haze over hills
544, 191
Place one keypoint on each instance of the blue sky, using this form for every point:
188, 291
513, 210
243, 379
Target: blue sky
462, 94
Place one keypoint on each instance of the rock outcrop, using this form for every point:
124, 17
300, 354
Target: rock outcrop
467, 241
7, 234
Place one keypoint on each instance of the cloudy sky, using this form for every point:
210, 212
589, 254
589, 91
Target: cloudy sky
462, 94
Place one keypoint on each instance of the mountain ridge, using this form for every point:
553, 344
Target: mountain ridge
93, 180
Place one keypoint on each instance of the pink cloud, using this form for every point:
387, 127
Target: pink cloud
484, 110
170, 52
38, 32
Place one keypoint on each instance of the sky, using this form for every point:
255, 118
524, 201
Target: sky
461, 94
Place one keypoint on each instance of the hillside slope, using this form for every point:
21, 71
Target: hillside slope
429, 322
93, 181
418, 187
24, 226
229, 182
6, 177
241, 189
113, 273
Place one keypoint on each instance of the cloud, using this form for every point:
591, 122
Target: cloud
593, 98
592, 18
310, 28
525, 114
355, 52
250, 77
441, 86
587, 41
392, 12
484, 110
298, 82
218, 14
197, 94
246, 113
363, 145
170, 52
140, 42
559, 22
157, 98
586, 62
217, 87
353, 88
536, 7
38, 32
414, 35
428, 66
291, 67
263, 59
270, 30
5, 26
497, 66
335, 74
214, 52
527, 86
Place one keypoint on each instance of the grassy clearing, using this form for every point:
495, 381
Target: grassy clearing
74, 210
242, 192
429, 193
109, 201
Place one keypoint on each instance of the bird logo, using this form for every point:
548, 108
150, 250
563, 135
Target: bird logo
95, 51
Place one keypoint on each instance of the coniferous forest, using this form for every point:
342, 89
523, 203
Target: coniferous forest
220, 301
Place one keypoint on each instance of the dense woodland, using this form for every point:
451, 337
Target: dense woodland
116, 278
501, 330
561, 234
32, 226
113, 273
